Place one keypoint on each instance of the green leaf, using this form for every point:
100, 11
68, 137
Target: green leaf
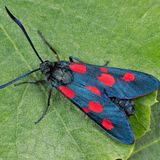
140, 121
124, 32
147, 148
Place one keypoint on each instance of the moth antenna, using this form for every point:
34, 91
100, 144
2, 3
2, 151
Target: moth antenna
24, 31
17, 79
50, 47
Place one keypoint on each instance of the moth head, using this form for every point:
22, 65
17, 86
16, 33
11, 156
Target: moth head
46, 67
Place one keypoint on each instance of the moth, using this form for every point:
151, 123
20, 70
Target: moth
103, 93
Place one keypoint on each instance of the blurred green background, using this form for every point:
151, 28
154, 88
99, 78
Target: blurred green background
125, 32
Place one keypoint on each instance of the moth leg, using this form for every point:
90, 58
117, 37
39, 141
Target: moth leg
76, 60
47, 108
31, 82
106, 64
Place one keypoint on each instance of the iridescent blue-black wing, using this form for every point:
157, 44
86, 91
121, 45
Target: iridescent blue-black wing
98, 107
120, 83
92, 87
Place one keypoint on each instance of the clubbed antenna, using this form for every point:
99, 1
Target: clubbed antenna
50, 47
24, 31
17, 79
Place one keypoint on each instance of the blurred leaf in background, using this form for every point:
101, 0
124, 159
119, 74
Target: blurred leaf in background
125, 32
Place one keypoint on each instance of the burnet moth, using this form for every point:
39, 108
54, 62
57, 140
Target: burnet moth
103, 93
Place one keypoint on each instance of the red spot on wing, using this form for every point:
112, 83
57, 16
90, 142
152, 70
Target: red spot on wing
95, 107
128, 77
94, 90
107, 79
85, 110
103, 69
67, 92
107, 124
79, 68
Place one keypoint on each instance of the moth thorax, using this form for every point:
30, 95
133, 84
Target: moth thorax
62, 75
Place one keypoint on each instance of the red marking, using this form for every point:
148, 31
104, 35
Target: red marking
103, 69
94, 90
95, 107
106, 123
128, 77
85, 110
107, 79
79, 68
67, 92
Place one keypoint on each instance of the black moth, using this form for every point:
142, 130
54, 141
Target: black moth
104, 93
